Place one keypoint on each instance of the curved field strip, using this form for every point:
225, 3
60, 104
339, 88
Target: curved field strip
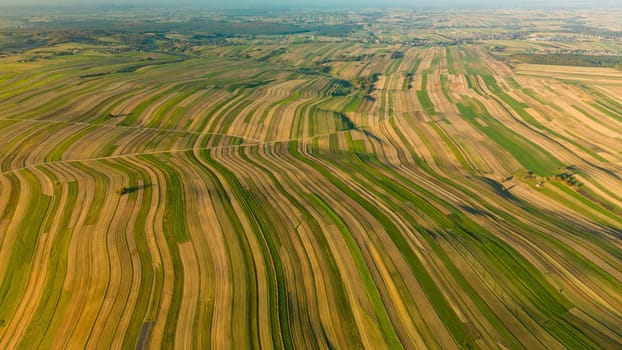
314, 221
232, 203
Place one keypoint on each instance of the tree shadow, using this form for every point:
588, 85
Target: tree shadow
500, 189
348, 124
133, 189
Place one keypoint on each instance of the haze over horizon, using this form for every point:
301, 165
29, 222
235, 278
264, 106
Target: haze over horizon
328, 3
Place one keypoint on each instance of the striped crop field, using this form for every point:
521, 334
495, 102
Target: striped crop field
297, 197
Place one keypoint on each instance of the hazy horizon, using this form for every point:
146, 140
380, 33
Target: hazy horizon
326, 3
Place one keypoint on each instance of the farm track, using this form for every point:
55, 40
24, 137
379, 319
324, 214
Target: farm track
192, 205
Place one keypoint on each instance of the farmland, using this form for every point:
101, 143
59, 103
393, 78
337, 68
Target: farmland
369, 185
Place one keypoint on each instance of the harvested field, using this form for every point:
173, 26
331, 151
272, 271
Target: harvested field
603, 76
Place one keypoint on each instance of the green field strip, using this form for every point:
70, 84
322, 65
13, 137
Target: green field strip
527, 153
233, 228
149, 282
435, 63
528, 231
435, 296
295, 96
49, 303
607, 110
383, 105
102, 112
534, 95
56, 108
323, 49
340, 297
411, 73
597, 199
590, 116
174, 121
277, 115
262, 229
144, 255
12, 148
518, 107
174, 217
8, 77
132, 178
125, 64
386, 98
584, 148
14, 190
488, 311
451, 69
371, 288
168, 107
423, 206
516, 86
473, 84
108, 99
391, 111
214, 114
226, 119
415, 66
420, 162
175, 232
594, 333
265, 113
260, 79
332, 49
473, 63
354, 104
279, 106
586, 203
423, 136
555, 223
604, 100
23, 248
138, 111
8, 123
287, 310
455, 150
29, 95
424, 98
158, 140
518, 271
15, 88
56, 153
446, 88
100, 193
304, 112
109, 147
62, 102
513, 264
209, 113
135, 66
314, 118
392, 68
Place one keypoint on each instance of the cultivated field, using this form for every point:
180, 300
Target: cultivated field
248, 197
